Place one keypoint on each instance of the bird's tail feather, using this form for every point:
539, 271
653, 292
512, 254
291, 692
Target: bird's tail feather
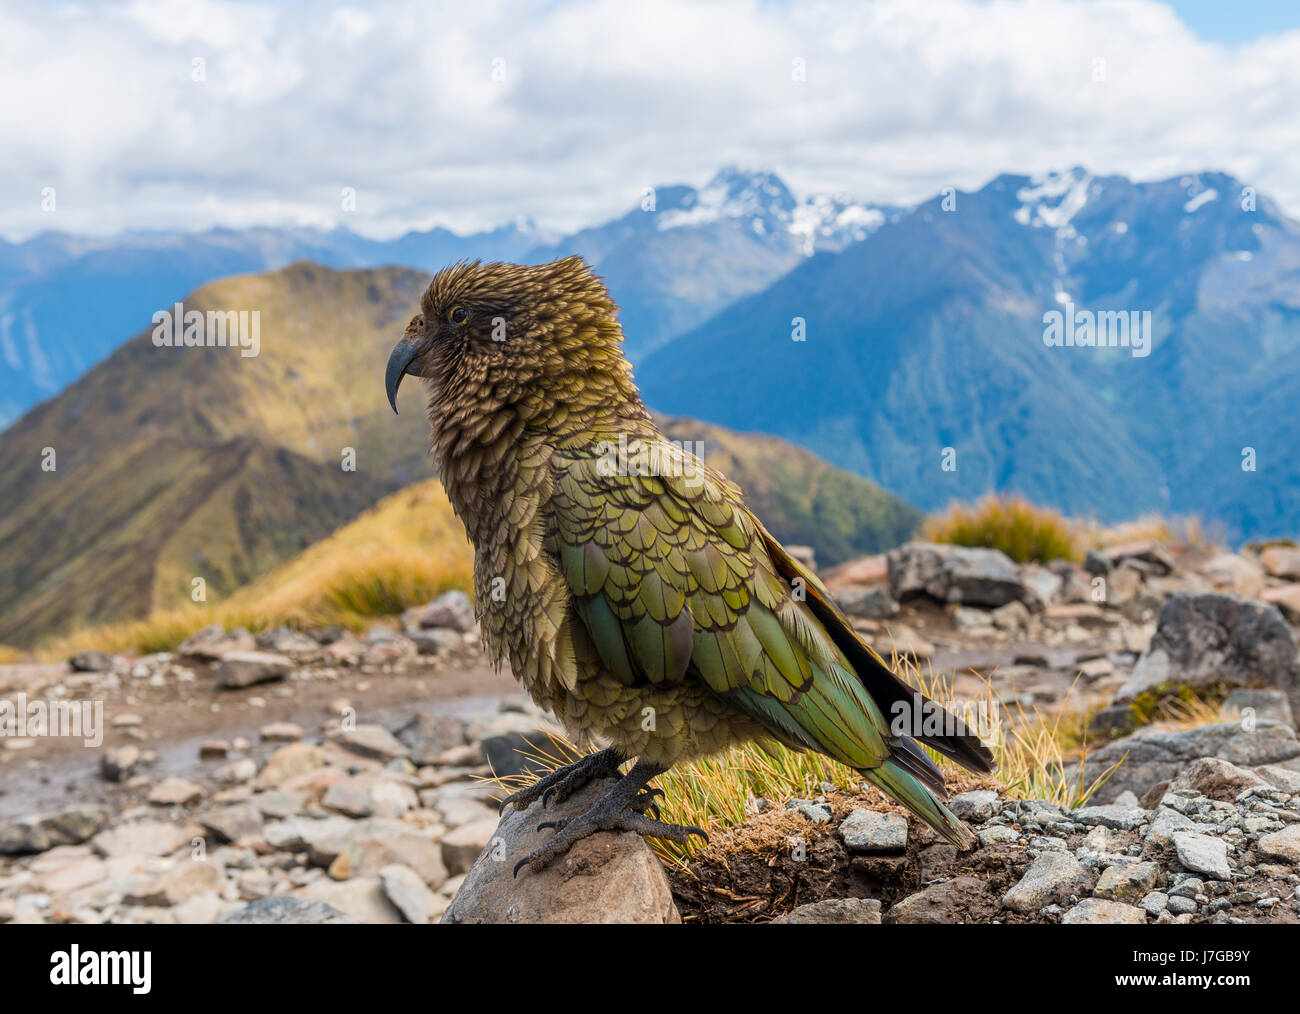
904, 787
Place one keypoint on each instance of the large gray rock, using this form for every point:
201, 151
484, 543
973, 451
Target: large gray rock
450, 611
607, 878
38, 832
977, 577
871, 603
245, 668
1155, 756
1216, 778
1204, 639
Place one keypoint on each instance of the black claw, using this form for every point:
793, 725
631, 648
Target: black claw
557, 824
546, 797
520, 865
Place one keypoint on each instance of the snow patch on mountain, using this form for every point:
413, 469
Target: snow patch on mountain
771, 210
1052, 200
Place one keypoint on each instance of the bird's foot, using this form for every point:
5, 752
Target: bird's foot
563, 782
623, 808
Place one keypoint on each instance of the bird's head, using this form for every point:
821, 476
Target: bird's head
489, 335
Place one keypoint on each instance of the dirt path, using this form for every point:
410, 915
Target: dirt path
174, 719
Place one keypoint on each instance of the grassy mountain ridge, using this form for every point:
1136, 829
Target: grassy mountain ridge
175, 464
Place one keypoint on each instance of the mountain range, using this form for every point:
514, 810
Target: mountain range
924, 363
907, 345
679, 256
163, 465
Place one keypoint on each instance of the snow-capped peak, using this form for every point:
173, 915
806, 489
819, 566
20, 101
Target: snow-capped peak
763, 199
1051, 200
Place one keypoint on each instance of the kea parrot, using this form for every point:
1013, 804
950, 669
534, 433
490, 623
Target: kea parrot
626, 583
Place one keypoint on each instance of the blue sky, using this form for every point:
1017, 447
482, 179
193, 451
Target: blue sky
1222, 21
193, 113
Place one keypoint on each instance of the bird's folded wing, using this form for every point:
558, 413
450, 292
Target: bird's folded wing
674, 579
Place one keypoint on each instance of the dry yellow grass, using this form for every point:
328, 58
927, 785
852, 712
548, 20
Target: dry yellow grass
405, 550
1174, 531
1022, 530
8, 654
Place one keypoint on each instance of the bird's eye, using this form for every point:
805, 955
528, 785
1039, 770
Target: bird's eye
458, 315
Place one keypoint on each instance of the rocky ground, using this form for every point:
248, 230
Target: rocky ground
321, 776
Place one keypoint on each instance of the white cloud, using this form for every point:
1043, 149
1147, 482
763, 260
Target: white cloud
600, 99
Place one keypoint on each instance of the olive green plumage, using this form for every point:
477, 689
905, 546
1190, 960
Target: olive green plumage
629, 587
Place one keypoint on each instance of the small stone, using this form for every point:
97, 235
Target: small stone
40, 832
818, 813
1164, 824
242, 770
1282, 845
1116, 816
834, 912
939, 903
1097, 910
1181, 906
143, 838
296, 911
279, 803
1202, 854
246, 668
117, 764
189, 878
866, 831
175, 792
996, 835
977, 807
1127, 883
212, 749
451, 610
281, 732
1154, 903
408, 892
462, 846
1053, 876
91, 661
289, 762
231, 823
371, 740
362, 898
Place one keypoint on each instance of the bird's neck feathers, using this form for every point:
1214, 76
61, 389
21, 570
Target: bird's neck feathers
496, 422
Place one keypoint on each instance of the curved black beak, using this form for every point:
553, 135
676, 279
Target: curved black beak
398, 362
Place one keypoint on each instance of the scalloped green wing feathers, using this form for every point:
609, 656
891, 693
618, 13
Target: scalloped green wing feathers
674, 579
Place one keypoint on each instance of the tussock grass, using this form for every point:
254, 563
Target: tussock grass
1022, 530
1173, 531
402, 552
8, 654
1034, 754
